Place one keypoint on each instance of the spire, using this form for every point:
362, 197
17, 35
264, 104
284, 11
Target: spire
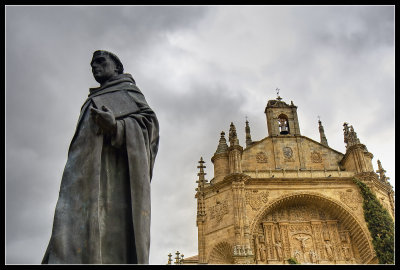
350, 136
222, 146
233, 140
201, 174
324, 141
200, 190
381, 172
248, 136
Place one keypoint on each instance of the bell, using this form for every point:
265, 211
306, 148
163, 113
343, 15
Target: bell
284, 130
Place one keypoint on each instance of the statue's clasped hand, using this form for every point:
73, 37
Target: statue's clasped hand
105, 119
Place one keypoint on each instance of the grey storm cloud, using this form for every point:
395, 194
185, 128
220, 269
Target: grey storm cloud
200, 68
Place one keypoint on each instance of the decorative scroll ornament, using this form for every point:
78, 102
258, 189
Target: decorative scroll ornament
256, 199
218, 211
316, 157
350, 198
261, 157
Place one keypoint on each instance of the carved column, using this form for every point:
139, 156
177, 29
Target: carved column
285, 239
268, 239
346, 244
241, 226
237, 186
316, 227
333, 232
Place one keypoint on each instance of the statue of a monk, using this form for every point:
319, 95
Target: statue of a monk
103, 210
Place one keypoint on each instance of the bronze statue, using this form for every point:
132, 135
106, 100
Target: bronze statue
103, 210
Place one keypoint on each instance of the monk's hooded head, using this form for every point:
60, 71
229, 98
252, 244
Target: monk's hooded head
105, 65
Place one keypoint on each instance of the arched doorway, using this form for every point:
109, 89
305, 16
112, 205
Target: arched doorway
310, 227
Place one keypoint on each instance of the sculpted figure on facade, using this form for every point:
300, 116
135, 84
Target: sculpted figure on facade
325, 232
278, 247
297, 254
302, 241
313, 256
329, 250
346, 252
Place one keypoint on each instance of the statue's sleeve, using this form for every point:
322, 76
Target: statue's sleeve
146, 120
119, 137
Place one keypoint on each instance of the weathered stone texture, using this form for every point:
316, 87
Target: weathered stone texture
288, 196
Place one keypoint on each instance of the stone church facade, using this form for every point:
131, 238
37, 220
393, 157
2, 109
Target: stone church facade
286, 196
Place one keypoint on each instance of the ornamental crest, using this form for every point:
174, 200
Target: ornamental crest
261, 157
316, 157
256, 199
287, 153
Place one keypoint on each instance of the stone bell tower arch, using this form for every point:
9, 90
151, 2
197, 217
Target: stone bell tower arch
282, 118
312, 228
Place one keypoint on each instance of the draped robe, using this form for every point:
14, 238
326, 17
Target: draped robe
103, 210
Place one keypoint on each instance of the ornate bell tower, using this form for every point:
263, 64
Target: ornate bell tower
282, 118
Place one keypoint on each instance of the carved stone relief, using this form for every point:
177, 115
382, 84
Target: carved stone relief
256, 199
287, 153
316, 157
351, 198
301, 245
260, 250
297, 213
218, 210
221, 254
302, 232
261, 157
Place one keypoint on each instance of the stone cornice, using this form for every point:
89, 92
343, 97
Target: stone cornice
354, 147
218, 156
293, 136
373, 177
226, 181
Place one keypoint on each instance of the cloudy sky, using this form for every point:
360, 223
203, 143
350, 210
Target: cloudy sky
200, 68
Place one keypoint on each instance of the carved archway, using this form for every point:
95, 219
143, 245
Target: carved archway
264, 225
222, 253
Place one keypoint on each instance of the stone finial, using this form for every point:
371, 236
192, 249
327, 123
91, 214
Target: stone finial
248, 136
350, 136
202, 181
233, 140
169, 258
177, 259
381, 172
201, 211
324, 141
201, 173
222, 146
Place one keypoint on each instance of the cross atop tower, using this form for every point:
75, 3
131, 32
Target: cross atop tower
277, 93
